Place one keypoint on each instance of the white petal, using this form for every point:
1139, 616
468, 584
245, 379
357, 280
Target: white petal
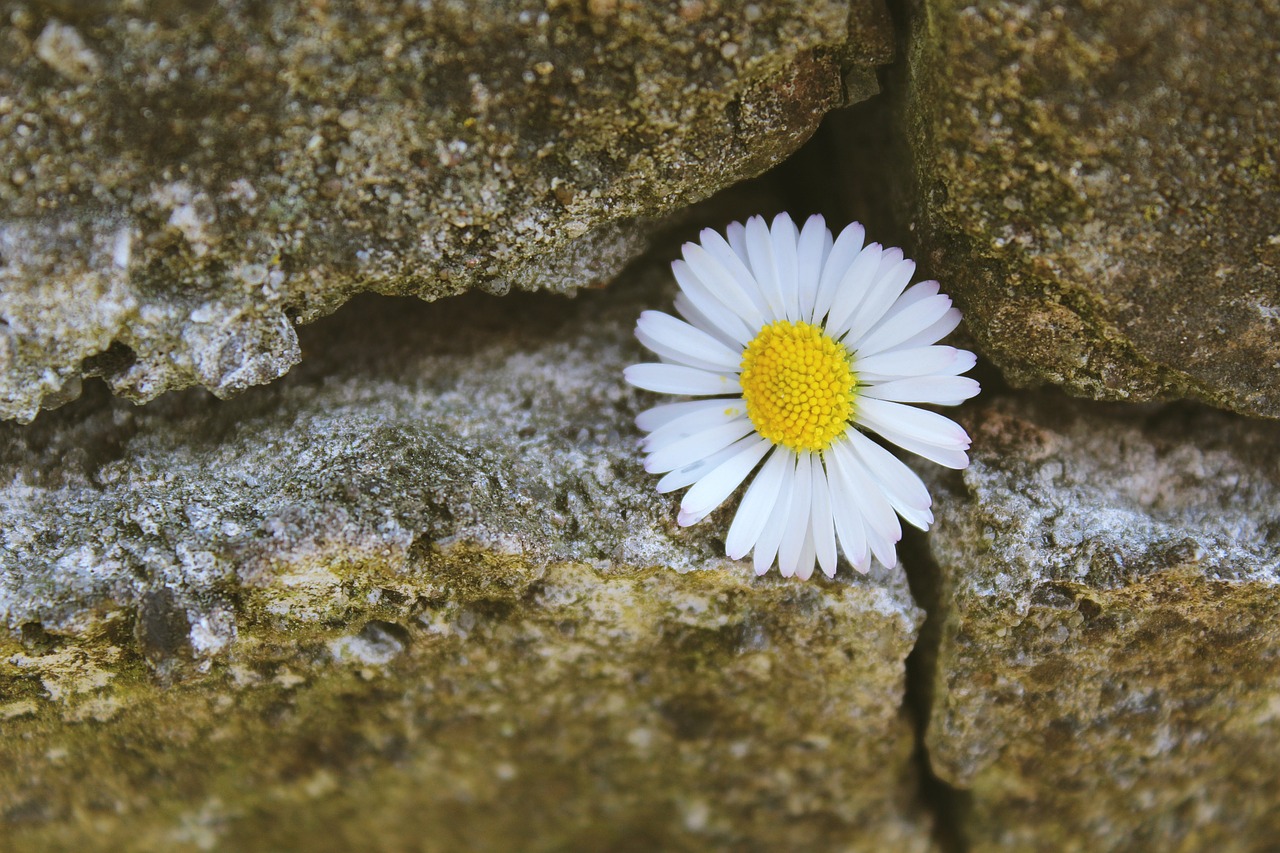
678, 340
771, 536
713, 489
915, 319
736, 235
843, 252
693, 422
965, 361
891, 258
885, 549
910, 296
853, 289
918, 361
715, 311
824, 535
729, 259
786, 263
678, 379
828, 244
661, 415
910, 421
669, 356
809, 252
759, 244
936, 332
881, 522
946, 457
848, 519
804, 569
691, 448
738, 292
938, 390
798, 518
904, 490
686, 309
690, 474
757, 504
890, 281
949, 456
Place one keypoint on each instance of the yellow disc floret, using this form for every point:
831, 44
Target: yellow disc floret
798, 385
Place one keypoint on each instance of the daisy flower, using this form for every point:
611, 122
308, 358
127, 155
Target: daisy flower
795, 346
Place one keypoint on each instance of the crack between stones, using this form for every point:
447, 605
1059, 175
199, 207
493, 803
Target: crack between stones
946, 803
896, 181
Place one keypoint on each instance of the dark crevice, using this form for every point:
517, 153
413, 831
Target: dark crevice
881, 180
114, 360
947, 803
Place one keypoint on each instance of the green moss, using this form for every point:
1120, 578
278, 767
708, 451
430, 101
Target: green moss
562, 704
1062, 185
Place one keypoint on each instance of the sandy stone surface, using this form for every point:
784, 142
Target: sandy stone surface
1097, 183
185, 182
421, 591
1108, 674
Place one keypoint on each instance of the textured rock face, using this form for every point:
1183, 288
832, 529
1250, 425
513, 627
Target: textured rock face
420, 595
186, 180
1098, 186
421, 592
1108, 676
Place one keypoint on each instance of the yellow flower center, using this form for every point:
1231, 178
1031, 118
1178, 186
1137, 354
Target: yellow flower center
798, 384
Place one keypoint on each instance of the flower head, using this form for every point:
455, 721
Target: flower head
794, 345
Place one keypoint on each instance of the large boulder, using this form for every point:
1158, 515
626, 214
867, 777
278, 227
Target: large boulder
420, 595
186, 181
1098, 189
1108, 673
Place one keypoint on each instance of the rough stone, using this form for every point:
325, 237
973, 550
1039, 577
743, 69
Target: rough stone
1108, 676
420, 594
1097, 186
185, 181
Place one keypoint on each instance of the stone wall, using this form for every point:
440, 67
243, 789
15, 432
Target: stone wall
419, 593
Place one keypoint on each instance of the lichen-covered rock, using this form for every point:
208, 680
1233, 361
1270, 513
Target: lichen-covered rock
1109, 671
183, 182
420, 595
1098, 188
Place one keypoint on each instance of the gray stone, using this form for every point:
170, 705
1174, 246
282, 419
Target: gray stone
1108, 676
1097, 188
186, 181
420, 594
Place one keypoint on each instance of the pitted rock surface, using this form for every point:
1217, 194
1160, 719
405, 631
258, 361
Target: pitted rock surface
187, 181
1097, 188
421, 594
1107, 673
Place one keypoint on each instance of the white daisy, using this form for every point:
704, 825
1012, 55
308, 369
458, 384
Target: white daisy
793, 345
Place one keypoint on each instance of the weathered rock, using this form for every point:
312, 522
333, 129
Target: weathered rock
421, 595
1109, 671
1098, 188
185, 182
